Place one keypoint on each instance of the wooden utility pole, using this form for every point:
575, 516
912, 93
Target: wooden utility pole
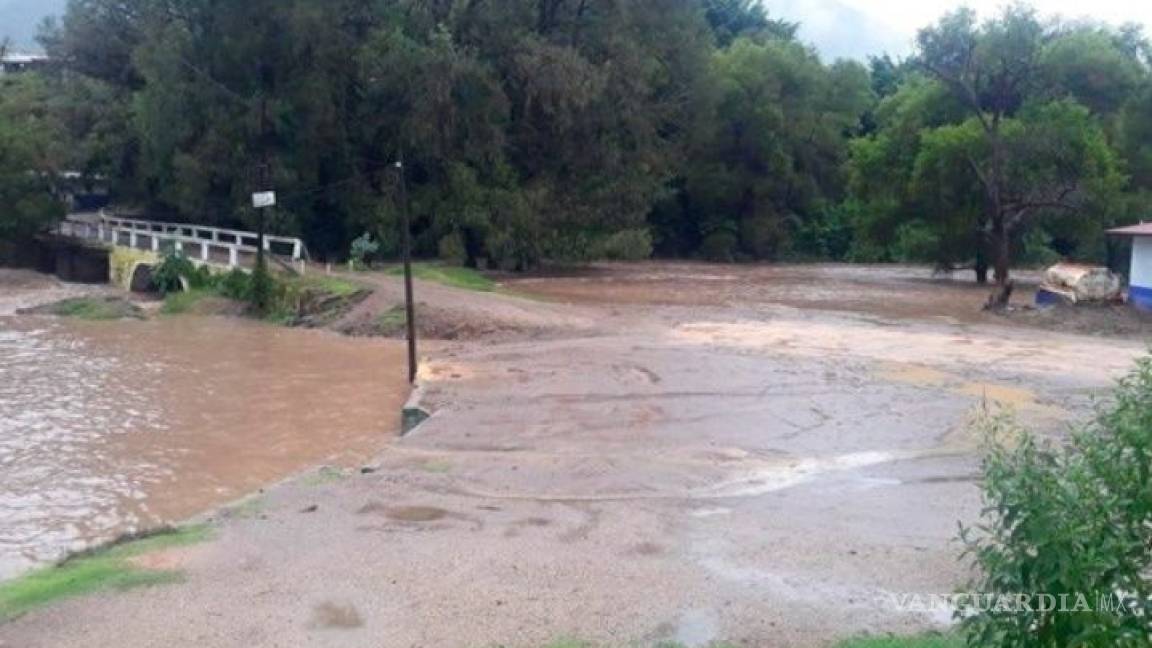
264, 179
264, 198
409, 299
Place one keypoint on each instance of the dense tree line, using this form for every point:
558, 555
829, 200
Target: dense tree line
1018, 136
572, 129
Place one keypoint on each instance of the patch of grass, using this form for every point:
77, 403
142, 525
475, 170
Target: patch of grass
933, 640
95, 309
108, 569
437, 467
179, 303
249, 509
569, 643
335, 286
324, 476
393, 321
453, 276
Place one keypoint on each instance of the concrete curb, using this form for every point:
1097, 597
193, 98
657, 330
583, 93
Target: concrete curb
414, 413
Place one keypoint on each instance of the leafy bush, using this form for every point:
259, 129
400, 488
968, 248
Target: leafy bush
262, 288
1073, 520
763, 236
628, 245
916, 241
172, 271
720, 246
1037, 249
364, 249
452, 249
237, 285
511, 250
829, 235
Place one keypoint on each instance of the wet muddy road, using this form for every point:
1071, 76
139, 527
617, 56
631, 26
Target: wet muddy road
107, 428
686, 455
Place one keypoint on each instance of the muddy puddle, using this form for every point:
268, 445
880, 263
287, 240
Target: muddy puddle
107, 428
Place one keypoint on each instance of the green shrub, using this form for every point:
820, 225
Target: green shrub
1074, 520
828, 235
512, 251
452, 249
201, 277
364, 250
170, 273
262, 288
916, 241
628, 245
720, 246
763, 236
237, 285
183, 302
1037, 249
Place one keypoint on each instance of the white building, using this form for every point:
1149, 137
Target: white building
12, 62
1140, 278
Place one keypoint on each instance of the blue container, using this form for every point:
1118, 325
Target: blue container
1141, 298
1046, 297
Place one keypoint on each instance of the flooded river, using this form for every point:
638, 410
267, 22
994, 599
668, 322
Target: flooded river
108, 428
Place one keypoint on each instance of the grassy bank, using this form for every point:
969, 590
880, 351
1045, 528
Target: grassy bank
453, 276
110, 568
182, 303
921, 641
582, 643
292, 298
93, 309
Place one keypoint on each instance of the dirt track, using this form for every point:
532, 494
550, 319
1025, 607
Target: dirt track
683, 456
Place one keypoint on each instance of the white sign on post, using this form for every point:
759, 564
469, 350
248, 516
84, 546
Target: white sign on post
264, 199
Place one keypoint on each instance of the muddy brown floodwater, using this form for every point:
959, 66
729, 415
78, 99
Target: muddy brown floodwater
108, 428
883, 290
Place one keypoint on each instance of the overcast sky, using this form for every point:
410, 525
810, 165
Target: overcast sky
858, 28
839, 28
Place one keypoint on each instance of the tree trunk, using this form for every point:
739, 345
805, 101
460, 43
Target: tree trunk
999, 241
981, 267
1002, 249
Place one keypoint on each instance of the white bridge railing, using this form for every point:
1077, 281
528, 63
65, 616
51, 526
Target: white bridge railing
205, 244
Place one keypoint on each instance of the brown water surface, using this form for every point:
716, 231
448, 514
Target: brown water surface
107, 428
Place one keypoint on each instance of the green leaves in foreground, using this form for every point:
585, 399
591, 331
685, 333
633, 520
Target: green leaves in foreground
1070, 521
109, 569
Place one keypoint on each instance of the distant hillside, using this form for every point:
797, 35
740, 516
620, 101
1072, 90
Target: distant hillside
19, 19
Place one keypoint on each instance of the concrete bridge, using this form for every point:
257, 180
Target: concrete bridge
134, 243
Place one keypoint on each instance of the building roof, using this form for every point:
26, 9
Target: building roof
14, 57
1143, 229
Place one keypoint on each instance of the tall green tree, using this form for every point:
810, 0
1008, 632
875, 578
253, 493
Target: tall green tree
732, 19
1031, 160
772, 153
30, 157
